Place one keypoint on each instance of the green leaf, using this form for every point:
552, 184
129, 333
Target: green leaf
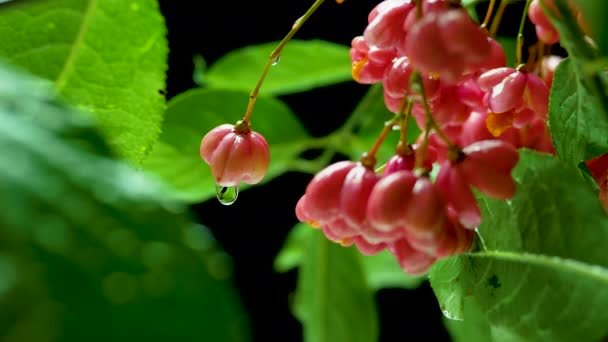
92, 249
332, 301
595, 13
303, 65
541, 275
382, 271
474, 329
106, 56
371, 115
176, 157
294, 248
470, 3
582, 54
576, 118
509, 45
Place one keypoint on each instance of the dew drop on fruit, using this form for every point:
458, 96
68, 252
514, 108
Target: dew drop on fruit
226, 194
276, 60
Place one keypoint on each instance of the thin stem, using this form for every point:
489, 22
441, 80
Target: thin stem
486, 20
498, 17
275, 54
418, 9
388, 126
520, 33
405, 113
430, 124
430, 120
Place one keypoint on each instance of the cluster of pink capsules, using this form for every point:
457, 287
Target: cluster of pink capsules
444, 70
451, 71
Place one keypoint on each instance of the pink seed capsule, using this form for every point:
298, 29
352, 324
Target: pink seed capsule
324, 191
598, 167
340, 230
425, 213
354, 196
388, 200
545, 31
447, 44
302, 212
373, 235
235, 154
367, 248
487, 165
458, 195
411, 261
508, 94
457, 239
385, 27
369, 63
603, 195
400, 162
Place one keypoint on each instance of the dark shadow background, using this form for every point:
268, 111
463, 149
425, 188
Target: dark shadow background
253, 230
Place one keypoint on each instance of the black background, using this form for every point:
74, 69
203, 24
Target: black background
253, 230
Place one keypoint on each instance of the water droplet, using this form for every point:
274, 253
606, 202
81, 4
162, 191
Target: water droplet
226, 194
449, 315
276, 60
296, 23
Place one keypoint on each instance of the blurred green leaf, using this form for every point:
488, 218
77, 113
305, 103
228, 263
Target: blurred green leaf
106, 56
380, 270
332, 300
294, 248
176, 157
509, 45
475, 328
594, 14
578, 124
581, 54
304, 65
92, 249
544, 270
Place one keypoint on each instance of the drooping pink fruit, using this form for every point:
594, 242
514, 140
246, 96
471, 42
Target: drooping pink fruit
403, 201
369, 63
545, 31
302, 212
405, 159
324, 191
385, 27
513, 88
506, 86
357, 186
598, 167
447, 44
456, 192
411, 260
340, 231
457, 240
235, 154
487, 166
425, 213
388, 200
367, 248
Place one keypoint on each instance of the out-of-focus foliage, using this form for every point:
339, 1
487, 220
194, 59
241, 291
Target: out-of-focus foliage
91, 249
108, 57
